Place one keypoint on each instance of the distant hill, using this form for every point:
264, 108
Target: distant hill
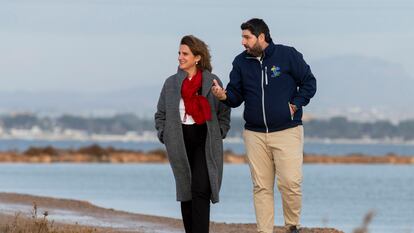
140, 100
334, 128
356, 84
361, 88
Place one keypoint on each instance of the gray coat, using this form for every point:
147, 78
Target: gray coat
168, 125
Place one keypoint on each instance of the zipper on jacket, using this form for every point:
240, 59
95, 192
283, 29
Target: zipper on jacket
266, 75
263, 103
263, 77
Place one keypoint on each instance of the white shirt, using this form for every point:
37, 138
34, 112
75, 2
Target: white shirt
185, 118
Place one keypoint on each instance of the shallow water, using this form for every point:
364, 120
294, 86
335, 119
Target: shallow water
333, 195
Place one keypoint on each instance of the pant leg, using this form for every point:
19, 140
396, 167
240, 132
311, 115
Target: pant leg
201, 191
287, 150
186, 212
186, 206
263, 176
195, 138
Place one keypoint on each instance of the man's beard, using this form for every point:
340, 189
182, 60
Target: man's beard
255, 51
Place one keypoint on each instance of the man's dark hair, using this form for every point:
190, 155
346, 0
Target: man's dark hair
256, 27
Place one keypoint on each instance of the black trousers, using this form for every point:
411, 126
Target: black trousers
196, 213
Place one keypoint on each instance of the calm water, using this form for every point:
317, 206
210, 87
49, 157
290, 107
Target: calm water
334, 195
310, 147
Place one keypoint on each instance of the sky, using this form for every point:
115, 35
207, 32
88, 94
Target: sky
114, 45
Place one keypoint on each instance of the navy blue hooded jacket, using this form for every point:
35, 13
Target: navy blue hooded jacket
268, 85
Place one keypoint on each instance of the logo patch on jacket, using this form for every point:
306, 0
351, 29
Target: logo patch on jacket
275, 71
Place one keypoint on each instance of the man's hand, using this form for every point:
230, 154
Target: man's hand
218, 91
293, 109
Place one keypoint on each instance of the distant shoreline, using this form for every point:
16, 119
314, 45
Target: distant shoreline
97, 154
149, 137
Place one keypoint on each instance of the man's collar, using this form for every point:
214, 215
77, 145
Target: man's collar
268, 51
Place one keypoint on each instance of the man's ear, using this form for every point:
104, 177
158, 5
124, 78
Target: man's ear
262, 37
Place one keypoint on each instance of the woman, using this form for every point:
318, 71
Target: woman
191, 123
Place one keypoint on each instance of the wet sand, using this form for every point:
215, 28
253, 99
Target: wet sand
65, 211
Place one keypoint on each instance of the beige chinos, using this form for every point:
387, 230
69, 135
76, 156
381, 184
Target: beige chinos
277, 154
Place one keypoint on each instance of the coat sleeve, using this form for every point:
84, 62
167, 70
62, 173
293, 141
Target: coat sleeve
303, 78
234, 88
223, 116
160, 116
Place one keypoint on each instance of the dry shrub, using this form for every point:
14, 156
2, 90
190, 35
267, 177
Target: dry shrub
35, 151
94, 150
367, 220
40, 224
160, 152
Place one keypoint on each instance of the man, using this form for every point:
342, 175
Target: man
274, 82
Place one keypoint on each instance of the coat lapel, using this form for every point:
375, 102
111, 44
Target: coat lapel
207, 83
181, 75
205, 86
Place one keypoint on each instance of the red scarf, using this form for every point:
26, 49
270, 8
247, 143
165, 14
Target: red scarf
195, 105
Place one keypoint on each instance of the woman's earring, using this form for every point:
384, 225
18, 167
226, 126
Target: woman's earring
196, 62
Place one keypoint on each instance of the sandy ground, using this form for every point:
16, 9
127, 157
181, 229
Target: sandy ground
67, 211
